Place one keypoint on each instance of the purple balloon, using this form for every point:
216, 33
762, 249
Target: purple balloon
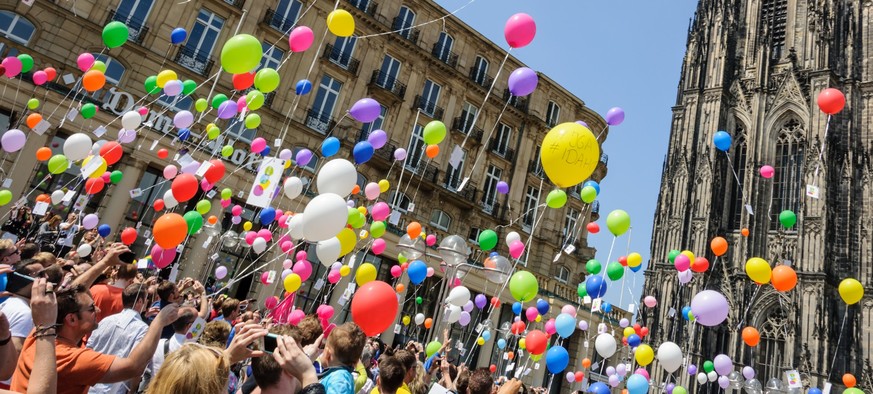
669, 388
286, 154
523, 81
583, 325
502, 187
172, 89
236, 220
723, 382
468, 307
366, 110
480, 301
13, 140
126, 136
377, 138
610, 370
464, 319
614, 380
748, 372
399, 154
183, 119
692, 369
191, 167
723, 364
303, 157
582, 123
227, 109
685, 276
710, 308
615, 116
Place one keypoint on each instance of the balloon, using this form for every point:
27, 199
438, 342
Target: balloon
328, 251
709, 307
432, 348
266, 80
300, 39
650, 301
723, 364
523, 286
324, 217
363, 152
502, 187
758, 270
434, 132
104, 230
330, 146
722, 140
787, 219
93, 80
605, 345
13, 140
719, 246
194, 221
519, 30
111, 151
536, 342
227, 109
523, 81
377, 138
557, 359
417, 271
618, 222
595, 286
39, 78
556, 198
637, 384
33, 104
128, 236
593, 267
170, 230
293, 186
366, 273
292, 282
241, 53
337, 176
84, 250
458, 296
84, 61
849, 380
751, 336
767, 171
573, 154
614, 117
374, 307
831, 101
783, 278
163, 257
367, 110
178, 36
259, 245
851, 291
77, 147
614, 271
115, 34
487, 239
184, 187
303, 87
644, 355
598, 388
341, 23
565, 325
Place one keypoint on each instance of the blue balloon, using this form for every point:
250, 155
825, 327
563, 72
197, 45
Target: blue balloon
565, 325
104, 230
637, 268
516, 308
178, 35
3, 281
606, 307
542, 306
595, 286
501, 343
362, 152
486, 335
722, 140
685, 311
268, 215
814, 390
303, 87
184, 134
637, 384
598, 388
633, 340
557, 359
417, 271
266, 151
593, 184
330, 146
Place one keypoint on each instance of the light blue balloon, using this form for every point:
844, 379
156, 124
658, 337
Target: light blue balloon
722, 140
637, 384
486, 335
565, 325
330, 146
593, 184
557, 359
501, 343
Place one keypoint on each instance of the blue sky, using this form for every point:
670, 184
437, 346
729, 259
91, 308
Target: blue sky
608, 53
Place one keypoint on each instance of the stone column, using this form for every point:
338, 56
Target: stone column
194, 262
118, 196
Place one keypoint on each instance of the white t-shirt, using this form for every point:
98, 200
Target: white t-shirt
176, 341
17, 311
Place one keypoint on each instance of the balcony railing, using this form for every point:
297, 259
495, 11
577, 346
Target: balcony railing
520, 103
236, 3
534, 167
464, 124
278, 22
197, 61
502, 150
340, 58
367, 6
431, 173
595, 207
136, 28
388, 83
469, 192
319, 121
480, 78
429, 108
409, 33
445, 55
386, 153
604, 158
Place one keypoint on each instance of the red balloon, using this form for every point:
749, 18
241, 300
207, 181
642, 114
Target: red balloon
593, 228
111, 152
644, 331
536, 342
623, 261
492, 368
374, 307
495, 302
517, 327
50, 73
579, 376
128, 236
243, 81
215, 172
831, 101
700, 264
163, 153
94, 185
158, 205
184, 187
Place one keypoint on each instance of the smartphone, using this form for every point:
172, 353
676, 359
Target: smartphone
15, 282
127, 257
270, 343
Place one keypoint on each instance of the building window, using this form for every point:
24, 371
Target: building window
368, 128
443, 48
405, 19
398, 202
16, 28
531, 202
430, 95
473, 236
388, 73
176, 104
286, 15
489, 194
454, 175
236, 129
552, 114
570, 221
114, 69
563, 274
326, 98
501, 140
788, 182
195, 55
272, 56
360, 4
773, 331
536, 165
415, 149
468, 113
774, 14
342, 51
480, 70
440, 220
134, 14
739, 164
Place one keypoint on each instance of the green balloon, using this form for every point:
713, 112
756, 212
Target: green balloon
266, 80
58, 164
115, 34
151, 85
614, 270
434, 132
226, 151
487, 240
377, 229
618, 222
679, 390
254, 100
432, 348
708, 366
26, 62
203, 207
115, 176
593, 267
201, 104
418, 300
226, 193
188, 87
581, 290
556, 199
588, 194
99, 66
672, 255
213, 132
5, 197
89, 110
355, 219
194, 220
241, 53
788, 219
523, 286
218, 99
32, 104
853, 390
401, 258
253, 121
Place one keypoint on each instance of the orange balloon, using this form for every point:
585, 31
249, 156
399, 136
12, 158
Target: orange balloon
783, 278
751, 336
428, 323
510, 355
586, 362
432, 151
43, 154
170, 230
400, 287
745, 232
212, 219
849, 380
356, 189
93, 80
43, 198
624, 391
719, 246
33, 120
413, 230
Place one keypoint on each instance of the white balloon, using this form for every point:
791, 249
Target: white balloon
77, 147
95, 148
512, 236
259, 245
328, 251
293, 187
84, 250
712, 376
453, 313
458, 296
419, 319
338, 176
670, 356
170, 201
57, 197
295, 226
131, 120
685, 276
324, 217
605, 345
701, 378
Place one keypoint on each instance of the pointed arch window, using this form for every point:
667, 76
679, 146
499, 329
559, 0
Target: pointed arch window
739, 163
774, 14
774, 333
788, 181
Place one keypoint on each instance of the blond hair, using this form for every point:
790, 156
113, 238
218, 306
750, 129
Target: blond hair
192, 369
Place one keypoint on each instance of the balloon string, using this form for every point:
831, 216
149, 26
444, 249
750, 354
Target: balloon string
485, 146
403, 166
418, 25
751, 301
822, 149
839, 338
739, 184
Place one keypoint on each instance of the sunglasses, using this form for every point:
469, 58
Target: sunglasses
12, 253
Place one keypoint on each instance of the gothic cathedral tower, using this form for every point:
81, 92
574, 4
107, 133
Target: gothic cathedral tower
754, 68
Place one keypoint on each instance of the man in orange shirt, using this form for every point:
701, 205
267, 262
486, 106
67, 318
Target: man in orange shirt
108, 296
79, 367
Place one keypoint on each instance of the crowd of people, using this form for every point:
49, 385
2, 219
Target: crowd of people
94, 324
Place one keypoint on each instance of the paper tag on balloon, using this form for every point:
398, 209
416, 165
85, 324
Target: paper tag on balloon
42, 127
184, 159
207, 242
147, 233
812, 191
630, 308
479, 328
585, 344
69, 196
240, 194
462, 352
174, 272
99, 131
196, 329
397, 329
71, 116
394, 218
180, 248
456, 157
271, 277
557, 257
343, 300
749, 209
587, 300
595, 366
278, 142
827, 388
510, 367
318, 284
203, 168
671, 312
569, 249
148, 242
595, 305
91, 167
7, 183
215, 257
138, 225
411, 208
506, 356
40, 208
154, 145
537, 366
793, 378
134, 193
210, 194
142, 264
520, 353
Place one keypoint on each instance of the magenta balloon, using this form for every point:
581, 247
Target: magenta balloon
520, 30
302, 268
682, 263
12, 65
365, 110
13, 140
710, 308
300, 39
303, 157
643, 372
227, 109
40, 77
85, 61
399, 154
377, 138
767, 171
531, 313
162, 257
614, 116
523, 81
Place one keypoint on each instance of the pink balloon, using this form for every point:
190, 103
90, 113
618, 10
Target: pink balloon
295, 317
650, 301
265, 234
106, 176
271, 302
396, 271
258, 145
12, 65
334, 276
225, 203
302, 268
250, 237
282, 221
372, 190
205, 185
236, 210
643, 372
283, 239
550, 327
767, 171
380, 211
520, 30
301, 255
516, 249
170, 172
569, 309
430, 272
40, 77
531, 313
324, 312
287, 264
682, 263
300, 39
430, 240
143, 111
162, 257
286, 246
265, 277
378, 246
85, 61
241, 103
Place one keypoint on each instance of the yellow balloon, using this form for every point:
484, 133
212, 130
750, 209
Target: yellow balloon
341, 23
628, 331
292, 282
345, 271
362, 210
688, 254
366, 273
644, 355
247, 226
406, 320
851, 291
634, 259
347, 241
480, 341
100, 169
570, 154
536, 357
166, 76
384, 185
539, 318
758, 270
521, 343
